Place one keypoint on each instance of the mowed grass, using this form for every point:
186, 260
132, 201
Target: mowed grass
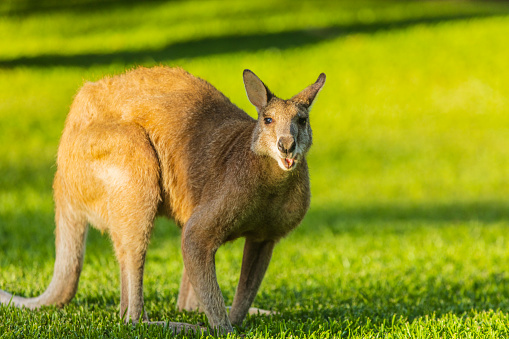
407, 232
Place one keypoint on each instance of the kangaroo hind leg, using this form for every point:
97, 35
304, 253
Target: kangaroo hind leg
130, 173
187, 299
130, 247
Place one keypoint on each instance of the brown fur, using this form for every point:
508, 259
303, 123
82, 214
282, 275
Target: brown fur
160, 141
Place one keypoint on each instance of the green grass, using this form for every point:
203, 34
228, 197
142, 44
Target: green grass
407, 232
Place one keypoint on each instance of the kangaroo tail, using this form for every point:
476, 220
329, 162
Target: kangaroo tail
70, 233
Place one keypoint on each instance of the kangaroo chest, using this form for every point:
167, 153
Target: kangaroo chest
271, 215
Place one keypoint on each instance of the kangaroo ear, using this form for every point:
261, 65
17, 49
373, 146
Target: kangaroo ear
257, 93
308, 95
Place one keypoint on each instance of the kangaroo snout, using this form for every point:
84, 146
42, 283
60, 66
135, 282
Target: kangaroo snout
286, 144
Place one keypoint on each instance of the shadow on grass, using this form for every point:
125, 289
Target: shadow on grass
29, 7
229, 44
38, 227
33, 175
33, 232
27, 232
345, 219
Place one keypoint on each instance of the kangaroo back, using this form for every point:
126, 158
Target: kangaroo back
180, 114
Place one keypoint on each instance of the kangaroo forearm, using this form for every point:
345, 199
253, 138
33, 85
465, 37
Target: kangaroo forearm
199, 260
204, 281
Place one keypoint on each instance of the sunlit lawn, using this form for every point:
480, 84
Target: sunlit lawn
407, 233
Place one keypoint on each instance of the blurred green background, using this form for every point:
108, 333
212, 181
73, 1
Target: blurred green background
406, 235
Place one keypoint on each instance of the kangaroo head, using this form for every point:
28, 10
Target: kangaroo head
283, 131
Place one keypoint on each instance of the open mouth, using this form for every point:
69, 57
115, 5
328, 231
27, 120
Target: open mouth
288, 163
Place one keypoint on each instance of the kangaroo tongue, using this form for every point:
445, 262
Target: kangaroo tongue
289, 162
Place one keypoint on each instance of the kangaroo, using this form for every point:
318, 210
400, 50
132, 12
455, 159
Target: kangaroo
161, 142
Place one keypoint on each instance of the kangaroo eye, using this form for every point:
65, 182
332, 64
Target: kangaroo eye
267, 121
303, 121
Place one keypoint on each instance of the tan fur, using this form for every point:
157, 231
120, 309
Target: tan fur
160, 141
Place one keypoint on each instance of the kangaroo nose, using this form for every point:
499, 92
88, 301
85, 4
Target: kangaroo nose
286, 144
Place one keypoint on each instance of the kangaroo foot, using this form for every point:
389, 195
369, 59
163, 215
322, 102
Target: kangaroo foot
257, 311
